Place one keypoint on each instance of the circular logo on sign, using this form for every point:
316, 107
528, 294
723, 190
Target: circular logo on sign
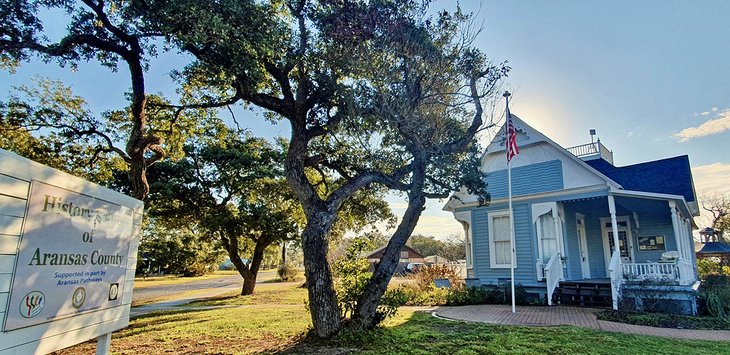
79, 297
113, 291
32, 304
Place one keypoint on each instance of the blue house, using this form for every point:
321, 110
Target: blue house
586, 231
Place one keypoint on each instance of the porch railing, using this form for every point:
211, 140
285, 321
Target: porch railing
553, 275
650, 271
680, 272
686, 272
616, 273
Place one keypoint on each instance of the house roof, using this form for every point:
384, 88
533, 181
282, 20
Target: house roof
666, 176
378, 253
714, 248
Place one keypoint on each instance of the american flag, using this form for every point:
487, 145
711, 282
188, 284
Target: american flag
512, 149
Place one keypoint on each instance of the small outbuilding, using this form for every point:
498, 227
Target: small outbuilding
407, 256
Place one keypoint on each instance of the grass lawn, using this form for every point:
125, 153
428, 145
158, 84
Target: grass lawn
275, 320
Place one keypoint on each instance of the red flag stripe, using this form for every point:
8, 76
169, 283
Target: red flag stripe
512, 149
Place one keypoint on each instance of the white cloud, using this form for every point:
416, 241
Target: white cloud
439, 226
712, 178
705, 113
714, 109
709, 180
719, 124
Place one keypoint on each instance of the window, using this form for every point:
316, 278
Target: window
651, 243
404, 254
547, 237
499, 240
549, 230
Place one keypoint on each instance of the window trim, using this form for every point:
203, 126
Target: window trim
492, 255
464, 219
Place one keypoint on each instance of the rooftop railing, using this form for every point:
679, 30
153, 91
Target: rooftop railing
590, 150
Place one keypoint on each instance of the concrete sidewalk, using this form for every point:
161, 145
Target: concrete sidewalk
175, 303
565, 315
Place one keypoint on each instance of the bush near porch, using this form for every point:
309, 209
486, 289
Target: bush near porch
713, 304
422, 290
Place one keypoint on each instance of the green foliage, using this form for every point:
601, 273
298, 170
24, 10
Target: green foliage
664, 320
464, 295
710, 266
452, 249
287, 272
180, 251
715, 296
353, 272
25, 119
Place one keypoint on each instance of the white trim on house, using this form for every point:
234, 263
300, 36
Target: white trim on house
655, 196
492, 243
456, 203
518, 123
539, 210
465, 219
580, 228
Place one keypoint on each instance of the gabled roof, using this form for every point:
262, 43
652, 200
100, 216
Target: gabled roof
378, 253
535, 136
666, 176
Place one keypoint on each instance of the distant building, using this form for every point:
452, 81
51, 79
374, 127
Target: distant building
407, 255
436, 259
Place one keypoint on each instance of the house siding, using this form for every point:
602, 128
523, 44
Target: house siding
650, 226
525, 271
526, 180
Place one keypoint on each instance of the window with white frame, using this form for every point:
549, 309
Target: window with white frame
547, 237
546, 217
499, 240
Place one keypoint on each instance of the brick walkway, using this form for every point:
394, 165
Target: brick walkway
564, 315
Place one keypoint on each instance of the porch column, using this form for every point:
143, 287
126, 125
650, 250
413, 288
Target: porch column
677, 229
614, 224
465, 219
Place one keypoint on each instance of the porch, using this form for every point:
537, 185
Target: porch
653, 235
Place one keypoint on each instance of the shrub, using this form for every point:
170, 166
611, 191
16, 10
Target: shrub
664, 320
287, 272
424, 277
708, 266
715, 296
354, 273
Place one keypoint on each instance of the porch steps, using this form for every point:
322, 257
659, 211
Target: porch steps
583, 293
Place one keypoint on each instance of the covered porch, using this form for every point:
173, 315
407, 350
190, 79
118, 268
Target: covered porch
577, 238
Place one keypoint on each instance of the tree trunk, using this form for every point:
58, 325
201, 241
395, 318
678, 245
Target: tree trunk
365, 315
323, 306
248, 273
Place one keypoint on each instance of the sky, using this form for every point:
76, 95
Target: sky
652, 77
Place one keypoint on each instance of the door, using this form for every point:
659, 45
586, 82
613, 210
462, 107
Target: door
580, 224
624, 239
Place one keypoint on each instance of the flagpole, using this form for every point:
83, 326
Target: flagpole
509, 199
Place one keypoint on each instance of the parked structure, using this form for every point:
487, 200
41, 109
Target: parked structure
572, 208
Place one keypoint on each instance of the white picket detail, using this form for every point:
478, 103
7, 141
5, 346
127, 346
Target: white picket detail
553, 275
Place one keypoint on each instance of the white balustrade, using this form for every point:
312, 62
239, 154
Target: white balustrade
553, 275
680, 272
615, 271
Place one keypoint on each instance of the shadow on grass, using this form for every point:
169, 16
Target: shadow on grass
420, 333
